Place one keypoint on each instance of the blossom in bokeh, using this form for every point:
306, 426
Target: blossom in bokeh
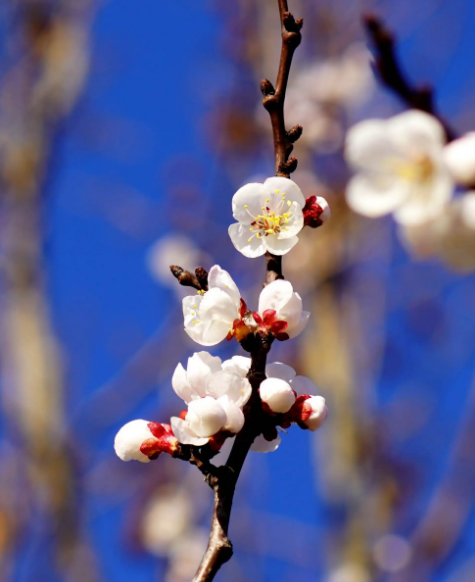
213, 315
141, 440
321, 92
450, 237
460, 159
269, 217
399, 168
280, 310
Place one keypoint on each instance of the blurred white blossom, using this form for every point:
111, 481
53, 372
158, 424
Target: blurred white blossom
460, 159
399, 168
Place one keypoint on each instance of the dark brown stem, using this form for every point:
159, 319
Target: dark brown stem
224, 480
390, 73
274, 98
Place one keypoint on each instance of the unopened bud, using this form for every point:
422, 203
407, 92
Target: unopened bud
277, 394
140, 440
309, 411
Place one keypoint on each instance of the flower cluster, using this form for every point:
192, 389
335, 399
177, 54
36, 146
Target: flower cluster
403, 166
216, 393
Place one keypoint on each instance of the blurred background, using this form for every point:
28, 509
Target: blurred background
125, 129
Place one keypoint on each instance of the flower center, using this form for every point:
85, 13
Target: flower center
270, 222
419, 169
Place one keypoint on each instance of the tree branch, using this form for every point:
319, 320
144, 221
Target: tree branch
389, 71
224, 481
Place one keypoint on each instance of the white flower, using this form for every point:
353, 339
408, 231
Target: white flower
277, 394
460, 159
280, 310
139, 440
210, 317
400, 167
269, 217
215, 393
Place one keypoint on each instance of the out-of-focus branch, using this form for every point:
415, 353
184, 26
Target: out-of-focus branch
37, 93
389, 71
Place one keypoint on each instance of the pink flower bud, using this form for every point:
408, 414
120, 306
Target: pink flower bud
309, 411
316, 211
140, 440
277, 394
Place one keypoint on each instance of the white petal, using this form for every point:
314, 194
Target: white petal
180, 384
221, 279
184, 435
244, 241
275, 295
297, 329
238, 364
285, 186
375, 196
467, 211
278, 246
234, 415
252, 196
415, 130
237, 388
205, 416
217, 304
201, 367
459, 156
303, 385
261, 445
426, 201
291, 312
207, 334
319, 412
277, 394
367, 144
191, 305
295, 224
282, 371
129, 439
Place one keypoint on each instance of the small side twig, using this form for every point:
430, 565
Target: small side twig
389, 71
198, 280
274, 99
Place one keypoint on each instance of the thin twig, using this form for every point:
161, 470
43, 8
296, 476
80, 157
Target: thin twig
389, 71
